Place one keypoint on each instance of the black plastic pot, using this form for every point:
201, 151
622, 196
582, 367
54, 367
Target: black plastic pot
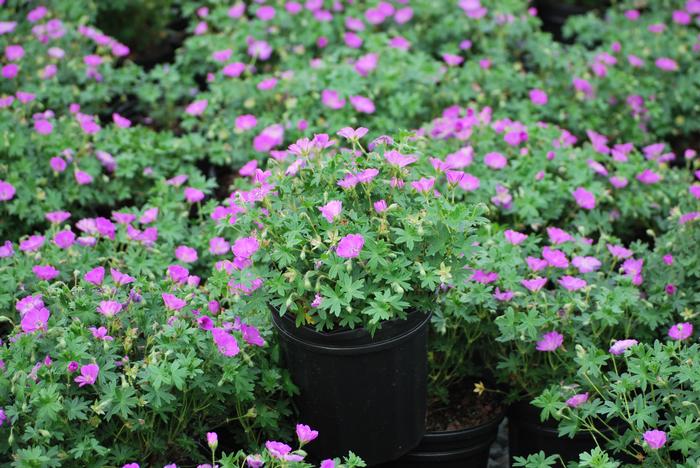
362, 393
554, 14
527, 435
468, 447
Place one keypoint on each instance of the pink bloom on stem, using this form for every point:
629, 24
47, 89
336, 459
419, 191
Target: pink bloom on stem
648, 177
572, 283
350, 246
538, 97
331, 210
251, 335
7, 191
305, 434
352, 134
586, 264
619, 252
197, 107
43, 127
666, 64
227, 344
362, 104
584, 198
695, 191
495, 160
550, 342
219, 246
424, 185
193, 195
469, 183
503, 296
655, 439
246, 122
121, 122
536, 264
681, 331
331, 99
577, 400
120, 278
186, 254
620, 346
95, 276
668, 259
172, 302
318, 300
555, 258
534, 284
109, 308
88, 375
632, 268
484, 277
558, 236
82, 177
380, 206
100, 334
397, 159
64, 239
212, 440
45, 272
245, 247
514, 237
35, 319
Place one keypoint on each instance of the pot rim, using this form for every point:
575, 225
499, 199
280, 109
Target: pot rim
467, 431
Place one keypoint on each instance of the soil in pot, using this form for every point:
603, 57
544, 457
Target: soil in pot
459, 434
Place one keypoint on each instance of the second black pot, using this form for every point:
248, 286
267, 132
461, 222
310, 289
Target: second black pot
527, 435
362, 393
452, 449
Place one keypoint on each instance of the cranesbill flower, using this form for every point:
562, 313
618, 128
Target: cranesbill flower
362, 104
534, 284
73, 366
193, 195
558, 236
503, 296
397, 159
555, 258
681, 331
350, 246
35, 319
256, 461
31, 243
100, 334
82, 177
655, 439
6, 250
245, 247
687, 217
109, 308
695, 191
469, 183
619, 252
172, 302
648, 177
632, 268
219, 246
277, 449
577, 400
514, 237
251, 335
45, 272
495, 160
538, 97
305, 434
186, 254
536, 264
484, 277
586, 264
572, 283
620, 346
666, 64
352, 134
424, 185
88, 375
327, 464
197, 107
227, 344
550, 341
120, 278
331, 210
584, 198
7, 191
64, 239
57, 217
212, 440
95, 276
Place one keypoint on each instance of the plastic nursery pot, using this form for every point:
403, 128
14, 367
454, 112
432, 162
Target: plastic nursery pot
554, 13
527, 435
462, 448
362, 393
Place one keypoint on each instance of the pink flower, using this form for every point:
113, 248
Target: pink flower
32, 243
666, 64
45, 272
318, 300
555, 258
536, 264
352, 134
495, 160
632, 268
514, 237
503, 296
35, 319
218, 246
648, 177
109, 308
227, 344
424, 185
265, 13
305, 434
82, 177
620, 346
681, 331
584, 198
469, 183
100, 334
88, 375
7, 191
397, 159
362, 104
251, 335
331, 210
350, 246
246, 122
577, 400
172, 302
233, 70
550, 342
619, 252
121, 122
64, 239
452, 60
484, 277
534, 284
95, 276
197, 107
668, 259
331, 99
558, 236
572, 283
655, 439
695, 191
278, 449
6, 250
43, 127
178, 273
618, 182
380, 206
186, 254
245, 247
586, 264
538, 97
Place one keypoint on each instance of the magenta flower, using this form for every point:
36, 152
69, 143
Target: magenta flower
227, 344
558, 236
193, 195
6, 250
88, 375
352, 134
538, 97
172, 302
7, 191
619, 252
100, 334
212, 440
577, 400
424, 185
64, 239
121, 122
109, 308
555, 258
584, 198
120, 278
331, 99
534, 284
536, 264
620, 346
495, 160
205, 322
681, 331
469, 183
666, 64
550, 342
219, 246
278, 449
632, 268
514, 237
251, 335
82, 177
397, 159
197, 107
572, 283
484, 277
305, 434
246, 122
35, 319
586, 264
362, 104
350, 246
655, 439
245, 247
648, 177
73, 366
95, 276
186, 254
45, 272
380, 206
503, 296
331, 210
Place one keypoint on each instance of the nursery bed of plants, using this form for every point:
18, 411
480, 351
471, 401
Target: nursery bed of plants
347, 233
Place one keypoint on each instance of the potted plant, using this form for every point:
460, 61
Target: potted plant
355, 247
